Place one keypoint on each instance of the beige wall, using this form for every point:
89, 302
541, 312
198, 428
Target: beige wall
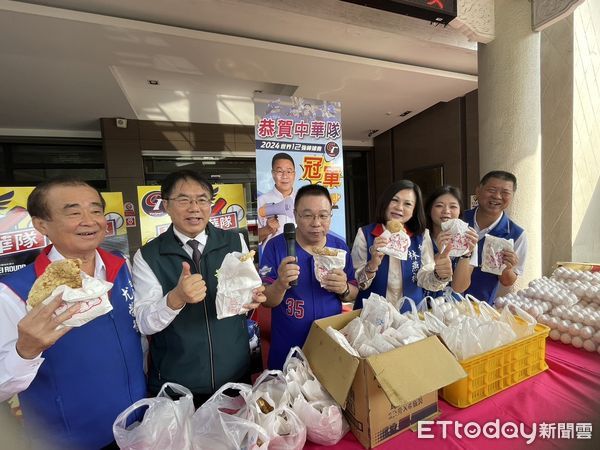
586, 133
557, 141
570, 100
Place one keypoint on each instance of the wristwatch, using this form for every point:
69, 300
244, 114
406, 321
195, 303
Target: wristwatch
346, 293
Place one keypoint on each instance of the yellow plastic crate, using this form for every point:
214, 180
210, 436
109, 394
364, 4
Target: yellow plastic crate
498, 369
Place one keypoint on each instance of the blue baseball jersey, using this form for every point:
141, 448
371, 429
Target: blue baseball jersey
302, 304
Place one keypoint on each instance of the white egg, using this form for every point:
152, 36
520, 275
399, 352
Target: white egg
565, 338
555, 335
596, 337
553, 323
577, 342
589, 345
563, 326
575, 329
586, 332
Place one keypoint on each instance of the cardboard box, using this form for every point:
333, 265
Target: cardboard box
384, 394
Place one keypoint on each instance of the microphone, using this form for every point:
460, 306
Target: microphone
289, 232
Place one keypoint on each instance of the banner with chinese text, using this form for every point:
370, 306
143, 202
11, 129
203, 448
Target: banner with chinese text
228, 210
309, 132
20, 242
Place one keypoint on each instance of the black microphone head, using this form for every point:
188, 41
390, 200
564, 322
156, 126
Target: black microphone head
289, 231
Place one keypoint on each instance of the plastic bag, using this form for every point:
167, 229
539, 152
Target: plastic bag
166, 423
523, 327
300, 378
285, 429
269, 392
224, 422
492, 257
236, 280
324, 421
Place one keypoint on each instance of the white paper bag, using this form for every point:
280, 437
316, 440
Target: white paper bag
235, 282
492, 254
397, 246
325, 263
93, 296
460, 243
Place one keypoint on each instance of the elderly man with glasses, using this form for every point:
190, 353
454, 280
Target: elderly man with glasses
270, 225
296, 307
175, 280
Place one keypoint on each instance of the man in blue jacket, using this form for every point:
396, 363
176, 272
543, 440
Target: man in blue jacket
72, 382
494, 194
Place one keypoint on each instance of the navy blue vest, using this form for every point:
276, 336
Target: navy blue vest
410, 267
90, 374
485, 285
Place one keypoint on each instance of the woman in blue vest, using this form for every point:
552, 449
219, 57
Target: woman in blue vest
443, 204
391, 277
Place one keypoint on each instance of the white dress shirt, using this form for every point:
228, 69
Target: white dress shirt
16, 373
425, 276
520, 244
150, 305
273, 196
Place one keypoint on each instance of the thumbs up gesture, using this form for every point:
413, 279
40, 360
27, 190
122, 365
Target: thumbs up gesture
443, 264
190, 288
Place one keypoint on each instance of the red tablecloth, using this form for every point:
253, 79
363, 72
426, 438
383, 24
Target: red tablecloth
568, 393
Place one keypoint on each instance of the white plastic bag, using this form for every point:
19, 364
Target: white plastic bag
235, 282
285, 429
324, 421
166, 423
269, 392
224, 422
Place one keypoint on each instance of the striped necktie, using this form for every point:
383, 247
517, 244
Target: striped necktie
196, 253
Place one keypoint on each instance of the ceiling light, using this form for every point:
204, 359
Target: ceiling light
405, 113
153, 82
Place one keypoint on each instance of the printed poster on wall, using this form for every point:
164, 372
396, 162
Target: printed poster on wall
298, 142
228, 210
20, 242
116, 230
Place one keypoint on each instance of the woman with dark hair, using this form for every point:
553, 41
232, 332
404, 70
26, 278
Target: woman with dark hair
443, 204
391, 277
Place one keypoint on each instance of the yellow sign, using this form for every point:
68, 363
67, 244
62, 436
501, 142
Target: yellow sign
116, 231
228, 210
